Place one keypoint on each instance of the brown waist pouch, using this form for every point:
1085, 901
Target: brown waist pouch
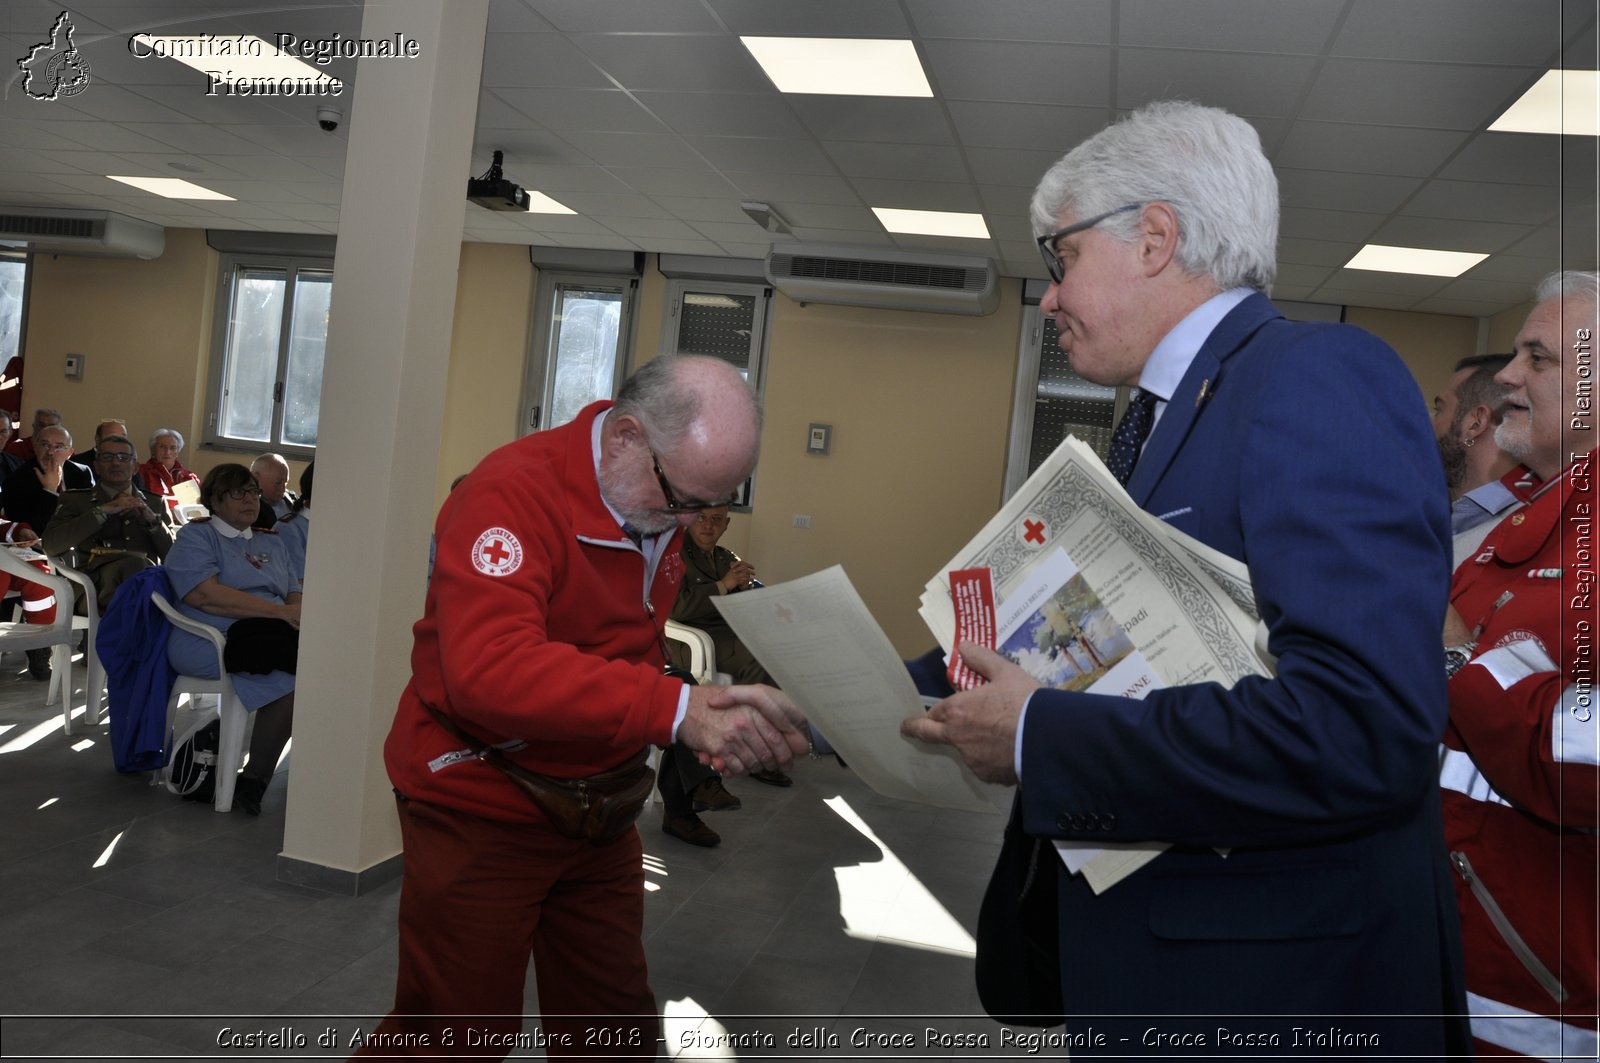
595, 808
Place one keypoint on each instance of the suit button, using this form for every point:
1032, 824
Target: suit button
1108, 820
1063, 822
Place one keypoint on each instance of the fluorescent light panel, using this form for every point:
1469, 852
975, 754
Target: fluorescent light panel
1563, 101
171, 187
1419, 260
835, 66
932, 223
539, 203
197, 52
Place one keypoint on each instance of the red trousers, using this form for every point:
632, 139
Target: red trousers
38, 601
478, 898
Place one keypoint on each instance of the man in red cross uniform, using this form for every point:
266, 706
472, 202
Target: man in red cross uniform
557, 562
1520, 767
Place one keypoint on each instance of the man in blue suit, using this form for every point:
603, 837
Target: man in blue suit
1305, 451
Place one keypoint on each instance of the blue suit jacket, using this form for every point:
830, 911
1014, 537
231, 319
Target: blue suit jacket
1305, 451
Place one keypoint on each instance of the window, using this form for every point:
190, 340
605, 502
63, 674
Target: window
13, 285
724, 320
270, 340
1052, 402
580, 345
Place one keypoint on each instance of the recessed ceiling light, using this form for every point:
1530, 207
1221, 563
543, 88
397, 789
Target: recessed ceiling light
539, 203
1563, 101
234, 59
835, 66
932, 223
171, 187
1420, 260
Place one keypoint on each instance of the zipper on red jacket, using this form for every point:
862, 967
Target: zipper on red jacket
1508, 933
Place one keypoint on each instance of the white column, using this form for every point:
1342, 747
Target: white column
400, 222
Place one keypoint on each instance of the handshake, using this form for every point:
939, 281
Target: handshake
740, 729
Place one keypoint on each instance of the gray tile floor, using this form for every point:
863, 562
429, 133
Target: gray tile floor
137, 925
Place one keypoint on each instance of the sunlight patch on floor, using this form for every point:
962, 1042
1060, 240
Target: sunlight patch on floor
884, 901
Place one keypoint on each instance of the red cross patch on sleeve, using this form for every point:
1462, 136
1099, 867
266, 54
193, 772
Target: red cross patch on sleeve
497, 553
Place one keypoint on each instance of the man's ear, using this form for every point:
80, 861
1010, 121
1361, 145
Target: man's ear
1158, 237
1476, 423
621, 432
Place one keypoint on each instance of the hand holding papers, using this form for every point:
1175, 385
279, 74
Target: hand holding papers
817, 639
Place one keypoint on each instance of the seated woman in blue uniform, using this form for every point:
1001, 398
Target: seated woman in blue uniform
242, 581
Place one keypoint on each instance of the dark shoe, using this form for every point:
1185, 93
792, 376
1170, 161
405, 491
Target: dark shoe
247, 794
691, 829
772, 778
711, 796
39, 663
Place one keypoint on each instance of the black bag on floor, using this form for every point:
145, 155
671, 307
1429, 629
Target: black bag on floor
194, 762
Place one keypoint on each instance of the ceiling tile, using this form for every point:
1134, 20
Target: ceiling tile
113, 104
876, 119
514, 16
917, 195
1316, 252
1366, 148
1327, 224
626, 16
754, 154
822, 216
1338, 296
781, 188
1299, 27
1058, 21
1318, 190
1452, 31
763, 114
608, 110
187, 137
1243, 84
652, 181
1508, 292
1453, 234
537, 60
1366, 280
651, 230
735, 232
598, 205
1019, 72
1479, 201
1508, 158
633, 149
1437, 95
930, 162
814, 18
683, 64
742, 250
1012, 125
1011, 169
698, 209
855, 237
1293, 275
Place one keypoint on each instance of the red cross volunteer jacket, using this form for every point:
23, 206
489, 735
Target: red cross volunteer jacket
538, 628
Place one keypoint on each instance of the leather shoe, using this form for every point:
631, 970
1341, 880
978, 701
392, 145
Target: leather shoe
247, 793
772, 778
712, 796
39, 663
691, 829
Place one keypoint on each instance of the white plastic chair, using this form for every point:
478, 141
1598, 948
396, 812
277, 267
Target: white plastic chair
702, 653
95, 687
59, 636
184, 512
235, 719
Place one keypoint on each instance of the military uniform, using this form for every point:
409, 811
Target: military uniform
107, 547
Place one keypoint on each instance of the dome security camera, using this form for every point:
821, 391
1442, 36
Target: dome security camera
329, 117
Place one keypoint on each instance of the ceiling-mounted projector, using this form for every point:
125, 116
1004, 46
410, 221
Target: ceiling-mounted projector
493, 191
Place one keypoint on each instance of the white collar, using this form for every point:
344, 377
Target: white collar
228, 531
1167, 364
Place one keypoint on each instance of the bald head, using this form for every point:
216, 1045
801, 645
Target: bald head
684, 434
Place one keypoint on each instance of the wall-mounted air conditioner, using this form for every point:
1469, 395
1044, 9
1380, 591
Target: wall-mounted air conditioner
885, 279
65, 231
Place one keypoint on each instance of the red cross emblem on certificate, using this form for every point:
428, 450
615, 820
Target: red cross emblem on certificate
497, 553
1032, 529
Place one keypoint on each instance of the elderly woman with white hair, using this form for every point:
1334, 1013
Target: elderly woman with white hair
163, 471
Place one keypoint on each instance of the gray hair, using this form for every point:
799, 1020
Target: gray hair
1582, 285
159, 432
1205, 163
657, 396
115, 438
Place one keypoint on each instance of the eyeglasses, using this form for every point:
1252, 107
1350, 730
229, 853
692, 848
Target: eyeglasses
1047, 242
113, 457
55, 448
674, 504
239, 494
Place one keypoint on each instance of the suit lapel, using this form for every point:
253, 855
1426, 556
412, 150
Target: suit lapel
1194, 391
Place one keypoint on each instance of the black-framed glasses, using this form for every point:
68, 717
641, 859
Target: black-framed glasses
674, 503
239, 494
1047, 242
113, 457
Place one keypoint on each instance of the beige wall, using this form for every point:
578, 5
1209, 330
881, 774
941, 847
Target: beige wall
1429, 344
919, 403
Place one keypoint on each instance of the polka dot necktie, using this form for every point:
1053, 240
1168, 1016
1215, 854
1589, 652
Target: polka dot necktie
1127, 439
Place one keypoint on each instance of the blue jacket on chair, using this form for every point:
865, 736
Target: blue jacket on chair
132, 643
